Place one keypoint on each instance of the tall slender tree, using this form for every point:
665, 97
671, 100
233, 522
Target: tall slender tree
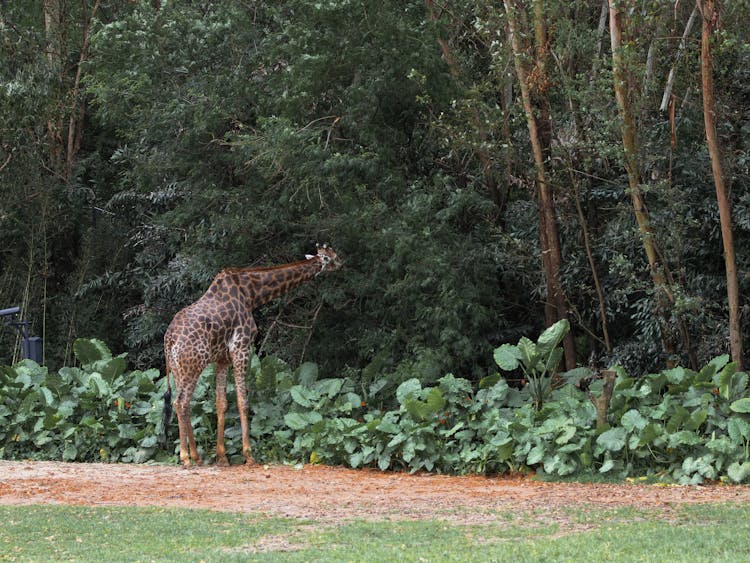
710, 12
658, 266
538, 122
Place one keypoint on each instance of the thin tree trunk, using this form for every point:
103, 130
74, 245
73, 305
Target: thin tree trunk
52, 22
710, 15
680, 49
592, 263
539, 134
658, 267
77, 110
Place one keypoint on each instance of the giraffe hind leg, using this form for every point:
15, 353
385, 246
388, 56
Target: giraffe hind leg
239, 360
188, 447
221, 409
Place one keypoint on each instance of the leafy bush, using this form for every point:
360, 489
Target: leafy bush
96, 412
678, 425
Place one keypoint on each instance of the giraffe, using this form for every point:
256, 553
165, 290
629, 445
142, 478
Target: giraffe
219, 328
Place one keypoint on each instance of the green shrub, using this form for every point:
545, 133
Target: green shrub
678, 425
96, 412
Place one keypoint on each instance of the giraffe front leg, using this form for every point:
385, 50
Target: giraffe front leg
221, 409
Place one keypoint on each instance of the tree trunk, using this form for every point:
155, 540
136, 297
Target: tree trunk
538, 121
52, 24
601, 403
680, 49
658, 267
710, 15
77, 109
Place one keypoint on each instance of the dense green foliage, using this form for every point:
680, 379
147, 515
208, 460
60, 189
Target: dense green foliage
209, 134
98, 412
679, 425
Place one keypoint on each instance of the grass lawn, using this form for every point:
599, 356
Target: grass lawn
717, 532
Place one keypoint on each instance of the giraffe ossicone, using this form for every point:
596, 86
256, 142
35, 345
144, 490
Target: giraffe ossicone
219, 328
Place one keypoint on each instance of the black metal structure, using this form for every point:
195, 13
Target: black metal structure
31, 346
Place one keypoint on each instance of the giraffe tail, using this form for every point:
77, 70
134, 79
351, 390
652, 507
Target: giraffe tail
167, 412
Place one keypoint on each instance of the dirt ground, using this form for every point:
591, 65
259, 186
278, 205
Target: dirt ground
329, 493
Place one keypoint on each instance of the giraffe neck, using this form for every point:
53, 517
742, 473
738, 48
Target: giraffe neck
269, 283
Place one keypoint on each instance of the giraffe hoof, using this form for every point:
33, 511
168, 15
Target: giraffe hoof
222, 461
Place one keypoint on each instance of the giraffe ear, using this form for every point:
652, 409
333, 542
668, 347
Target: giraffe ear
308, 256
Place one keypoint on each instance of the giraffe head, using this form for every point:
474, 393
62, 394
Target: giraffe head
329, 260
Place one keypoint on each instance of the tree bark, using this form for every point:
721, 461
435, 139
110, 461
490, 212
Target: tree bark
601, 403
710, 14
52, 23
657, 266
680, 49
77, 110
537, 119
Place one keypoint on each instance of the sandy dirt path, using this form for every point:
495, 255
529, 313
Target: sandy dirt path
329, 493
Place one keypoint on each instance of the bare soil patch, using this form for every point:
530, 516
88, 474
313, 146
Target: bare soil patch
330, 494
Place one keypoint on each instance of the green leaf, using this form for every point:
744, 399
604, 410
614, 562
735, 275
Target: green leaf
355, 401
676, 375
127, 431
726, 375
295, 421
633, 420
90, 350
489, 381
507, 357
407, 389
388, 427
650, 433
553, 360
308, 374
435, 400
355, 459
69, 453
417, 409
607, 466
714, 366
575, 375
48, 397
739, 472
567, 433
110, 369
535, 455
504, 450
696, 419
741, 406
738, 429
529, 354
684, 438
330, 387
97, 384
612, 440
303, 396
552, 336
680, 415
384, 461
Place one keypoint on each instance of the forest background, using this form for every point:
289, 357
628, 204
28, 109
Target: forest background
483, 168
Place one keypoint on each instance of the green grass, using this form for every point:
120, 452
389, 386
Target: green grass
65, 533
